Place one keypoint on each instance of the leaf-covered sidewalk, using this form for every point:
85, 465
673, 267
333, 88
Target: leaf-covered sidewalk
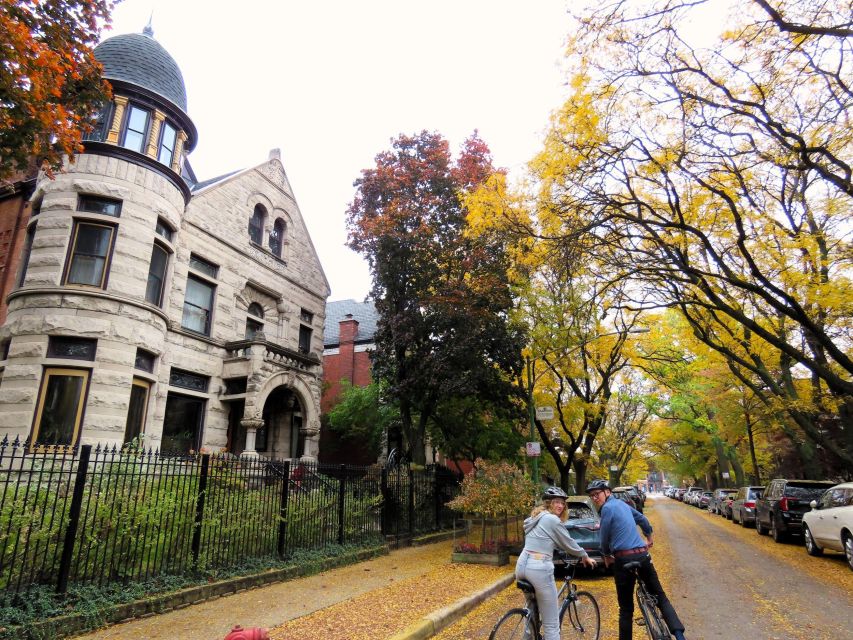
383, 612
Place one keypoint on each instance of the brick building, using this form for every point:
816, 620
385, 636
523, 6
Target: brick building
151, 304
14, 218
347, 344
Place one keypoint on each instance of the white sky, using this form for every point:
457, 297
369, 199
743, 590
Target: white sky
330, 82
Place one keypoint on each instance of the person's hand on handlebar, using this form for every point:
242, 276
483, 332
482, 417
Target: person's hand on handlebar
588, 562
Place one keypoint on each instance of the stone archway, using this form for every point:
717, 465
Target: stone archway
282, 419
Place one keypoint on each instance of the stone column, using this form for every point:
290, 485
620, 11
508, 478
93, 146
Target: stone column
152, 149
311, 448
251, 425
115, 127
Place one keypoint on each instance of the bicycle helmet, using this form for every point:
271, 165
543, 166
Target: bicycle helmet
597, 485
554, 492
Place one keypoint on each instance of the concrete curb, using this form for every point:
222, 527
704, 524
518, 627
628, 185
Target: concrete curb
434, 622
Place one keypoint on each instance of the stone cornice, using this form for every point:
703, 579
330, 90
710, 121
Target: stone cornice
87, 293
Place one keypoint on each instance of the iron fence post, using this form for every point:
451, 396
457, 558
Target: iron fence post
199, 508
437, 497
341, 503
411, 501
73, 519
282, 510
383, 489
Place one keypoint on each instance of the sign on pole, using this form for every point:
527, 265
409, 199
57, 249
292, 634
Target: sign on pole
533, 450
544, 413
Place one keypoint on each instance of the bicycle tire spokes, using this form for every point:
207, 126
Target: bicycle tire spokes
515, 625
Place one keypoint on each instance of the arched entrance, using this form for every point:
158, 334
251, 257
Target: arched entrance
281, 434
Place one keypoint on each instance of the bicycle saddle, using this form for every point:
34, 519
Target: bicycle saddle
631, 565
525, 586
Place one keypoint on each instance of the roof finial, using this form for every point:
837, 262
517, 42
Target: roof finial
149, 30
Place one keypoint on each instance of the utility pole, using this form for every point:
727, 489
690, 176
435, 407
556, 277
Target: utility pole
531, 411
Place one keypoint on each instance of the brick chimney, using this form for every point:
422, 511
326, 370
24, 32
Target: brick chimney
347, 332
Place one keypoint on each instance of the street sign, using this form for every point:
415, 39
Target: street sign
544, 413
533, 450
725, 475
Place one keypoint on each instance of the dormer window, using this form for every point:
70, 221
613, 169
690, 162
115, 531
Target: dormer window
256, 225
167, 144
137, 128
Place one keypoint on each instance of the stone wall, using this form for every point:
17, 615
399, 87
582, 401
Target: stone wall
214, 226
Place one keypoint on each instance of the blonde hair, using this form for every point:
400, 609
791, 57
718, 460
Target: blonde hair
546, 506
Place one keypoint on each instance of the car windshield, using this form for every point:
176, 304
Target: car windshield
808, 492
755, 493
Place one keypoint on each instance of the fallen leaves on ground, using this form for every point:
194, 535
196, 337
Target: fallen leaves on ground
383, 612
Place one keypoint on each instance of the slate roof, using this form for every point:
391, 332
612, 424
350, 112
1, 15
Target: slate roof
363, 312
141, 60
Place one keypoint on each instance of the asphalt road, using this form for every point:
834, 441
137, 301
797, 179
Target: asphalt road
737, 584
726, 582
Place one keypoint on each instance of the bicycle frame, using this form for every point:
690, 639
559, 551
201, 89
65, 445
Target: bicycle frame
653, 621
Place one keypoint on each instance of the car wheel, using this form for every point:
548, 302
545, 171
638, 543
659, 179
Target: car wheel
811, 548
778, 536
743, 522
848, 549
762, 530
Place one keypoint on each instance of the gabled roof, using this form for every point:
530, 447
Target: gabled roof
363, 312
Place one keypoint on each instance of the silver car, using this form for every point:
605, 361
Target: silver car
743, 507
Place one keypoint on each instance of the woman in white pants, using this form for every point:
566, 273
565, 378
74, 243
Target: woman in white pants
543, 533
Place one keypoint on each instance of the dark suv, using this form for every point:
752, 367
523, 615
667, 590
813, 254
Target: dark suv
780, 509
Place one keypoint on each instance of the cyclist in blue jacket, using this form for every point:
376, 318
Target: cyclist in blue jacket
621, 544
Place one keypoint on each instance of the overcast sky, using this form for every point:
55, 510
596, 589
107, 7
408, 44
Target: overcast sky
331, 82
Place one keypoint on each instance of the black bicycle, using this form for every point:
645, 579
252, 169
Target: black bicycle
579, 616
651, 619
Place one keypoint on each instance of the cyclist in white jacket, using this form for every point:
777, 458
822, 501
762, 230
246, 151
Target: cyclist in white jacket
543, 533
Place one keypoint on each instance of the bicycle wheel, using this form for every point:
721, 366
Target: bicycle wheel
579, 617
512, 626
655, 626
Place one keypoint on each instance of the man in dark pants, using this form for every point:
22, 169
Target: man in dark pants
621, 544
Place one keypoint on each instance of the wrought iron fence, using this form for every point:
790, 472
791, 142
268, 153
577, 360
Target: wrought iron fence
100, 515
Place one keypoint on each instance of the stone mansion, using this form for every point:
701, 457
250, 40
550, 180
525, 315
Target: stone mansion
149, 305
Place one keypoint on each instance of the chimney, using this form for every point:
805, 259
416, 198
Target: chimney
347, 332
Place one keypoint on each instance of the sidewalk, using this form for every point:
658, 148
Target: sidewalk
273, 605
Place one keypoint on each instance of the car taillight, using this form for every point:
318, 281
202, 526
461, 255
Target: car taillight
783, 503
749, 504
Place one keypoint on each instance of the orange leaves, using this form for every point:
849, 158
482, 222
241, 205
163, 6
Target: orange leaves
50, 84
383, 612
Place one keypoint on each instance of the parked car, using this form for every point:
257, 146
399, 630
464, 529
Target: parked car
691, 493
628, 499
637, 496
716, 503
829, 525
704, 499
743, 507
679, 493
584, 525
779, 511
726, 507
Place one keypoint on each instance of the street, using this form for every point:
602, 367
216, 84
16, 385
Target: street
725, 581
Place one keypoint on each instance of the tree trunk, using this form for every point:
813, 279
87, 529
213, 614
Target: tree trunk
756, 474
